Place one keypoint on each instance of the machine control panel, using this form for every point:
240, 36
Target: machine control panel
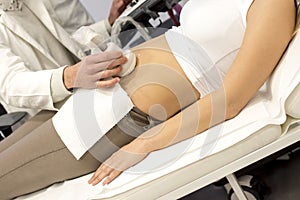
143, 10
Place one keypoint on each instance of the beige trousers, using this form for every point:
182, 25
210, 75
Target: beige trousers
34, 156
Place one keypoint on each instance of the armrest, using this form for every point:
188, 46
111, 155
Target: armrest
9, 120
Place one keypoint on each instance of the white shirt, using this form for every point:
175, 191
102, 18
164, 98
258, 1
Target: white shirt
211, 34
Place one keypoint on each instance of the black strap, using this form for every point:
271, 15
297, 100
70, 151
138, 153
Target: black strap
5, 132
2, 110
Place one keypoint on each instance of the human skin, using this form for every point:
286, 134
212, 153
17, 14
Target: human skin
105, 67
270, 26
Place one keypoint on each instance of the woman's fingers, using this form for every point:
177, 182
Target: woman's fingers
103, 172
121, 160
99, 175
107, 173
113, 174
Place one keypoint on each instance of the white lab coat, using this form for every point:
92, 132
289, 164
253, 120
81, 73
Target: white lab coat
25, 77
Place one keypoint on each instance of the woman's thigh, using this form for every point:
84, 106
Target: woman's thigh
26, 128
38, 160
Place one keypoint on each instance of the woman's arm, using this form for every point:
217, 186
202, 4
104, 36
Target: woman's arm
270, 25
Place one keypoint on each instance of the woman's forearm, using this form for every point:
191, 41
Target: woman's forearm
188, 123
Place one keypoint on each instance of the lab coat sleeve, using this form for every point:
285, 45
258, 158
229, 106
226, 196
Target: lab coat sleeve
102, 27
22, 87
58, 89
72, 16
93, 35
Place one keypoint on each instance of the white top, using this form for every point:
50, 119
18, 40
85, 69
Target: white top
209, 40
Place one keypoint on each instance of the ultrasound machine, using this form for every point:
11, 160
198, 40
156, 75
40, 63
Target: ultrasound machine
144, 10
155, 16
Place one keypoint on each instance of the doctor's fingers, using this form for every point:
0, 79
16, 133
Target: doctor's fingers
107, 65
107, 83
122, 5
108, 73
117, 62
126, 2
103, 56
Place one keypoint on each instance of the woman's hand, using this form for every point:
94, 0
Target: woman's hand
116, 164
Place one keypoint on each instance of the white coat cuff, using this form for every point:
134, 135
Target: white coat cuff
107, 26
58, 89
102, 27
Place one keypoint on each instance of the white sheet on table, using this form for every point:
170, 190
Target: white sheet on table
267, 107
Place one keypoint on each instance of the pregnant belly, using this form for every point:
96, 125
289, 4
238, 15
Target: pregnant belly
158, 86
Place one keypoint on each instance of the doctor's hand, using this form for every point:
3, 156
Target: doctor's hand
117, 7
95, 71
121, 160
